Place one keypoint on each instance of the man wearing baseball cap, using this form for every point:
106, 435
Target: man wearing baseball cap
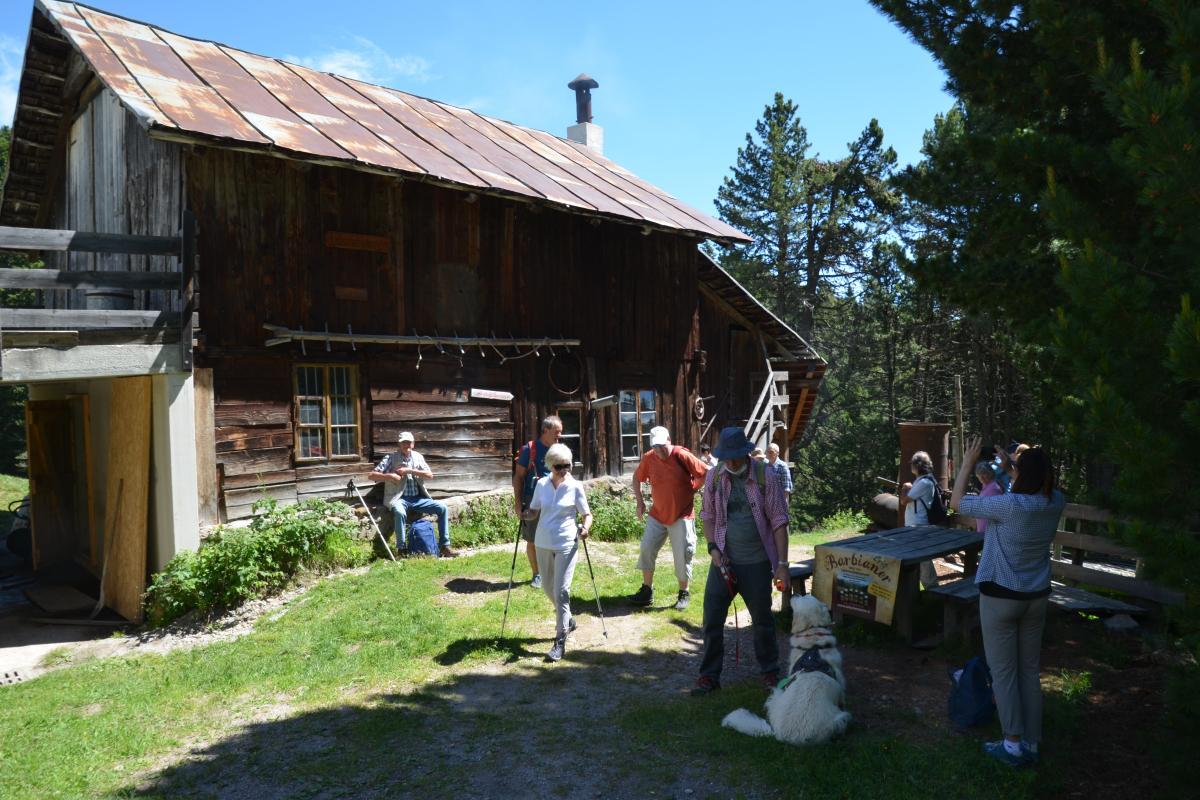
674, 475
404, 474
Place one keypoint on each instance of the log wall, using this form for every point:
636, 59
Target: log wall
310, 247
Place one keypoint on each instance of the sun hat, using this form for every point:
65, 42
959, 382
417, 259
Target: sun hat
733, 444
659, 435
405, 436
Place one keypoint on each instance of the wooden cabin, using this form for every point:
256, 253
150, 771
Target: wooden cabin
365, 261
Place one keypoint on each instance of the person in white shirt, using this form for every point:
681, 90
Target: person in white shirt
915, 499
559, 501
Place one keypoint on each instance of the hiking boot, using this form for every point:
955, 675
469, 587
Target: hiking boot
536, 583
572, 626
559, 648
705, 685
769, 680
997, 751
644, 596
446, 552
685, 599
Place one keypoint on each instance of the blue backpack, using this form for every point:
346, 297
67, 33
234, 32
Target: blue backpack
422, 538
971, 701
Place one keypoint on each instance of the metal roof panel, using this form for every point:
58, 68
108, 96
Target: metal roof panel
168, 81
201, 88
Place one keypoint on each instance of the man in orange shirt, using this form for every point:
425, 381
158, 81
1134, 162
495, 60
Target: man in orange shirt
675, 475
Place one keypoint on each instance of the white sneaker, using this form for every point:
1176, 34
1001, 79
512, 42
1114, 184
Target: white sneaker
537, 581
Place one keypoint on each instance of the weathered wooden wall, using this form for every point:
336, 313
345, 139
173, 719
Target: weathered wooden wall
117, 180
312, 246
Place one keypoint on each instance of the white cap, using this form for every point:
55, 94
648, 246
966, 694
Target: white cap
659, 435
405, 436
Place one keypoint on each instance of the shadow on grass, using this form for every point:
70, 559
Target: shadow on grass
463, 648
478, 585
618, 605
563, 730
610, 723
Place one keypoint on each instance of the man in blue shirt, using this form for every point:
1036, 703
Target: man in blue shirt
782, 470
525, 478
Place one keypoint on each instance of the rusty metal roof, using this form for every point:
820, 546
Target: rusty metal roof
180, 87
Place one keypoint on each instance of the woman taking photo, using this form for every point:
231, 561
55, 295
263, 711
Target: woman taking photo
1014, 587
559, 499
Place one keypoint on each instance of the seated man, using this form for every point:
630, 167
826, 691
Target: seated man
404, 474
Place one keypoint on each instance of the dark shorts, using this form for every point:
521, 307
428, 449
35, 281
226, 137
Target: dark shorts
528, 529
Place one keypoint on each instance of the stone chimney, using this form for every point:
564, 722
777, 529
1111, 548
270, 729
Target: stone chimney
584, 131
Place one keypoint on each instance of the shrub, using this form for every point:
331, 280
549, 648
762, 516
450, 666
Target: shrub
614, 512
842, 522
235, 564
485, 520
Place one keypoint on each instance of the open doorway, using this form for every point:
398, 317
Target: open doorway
60, 489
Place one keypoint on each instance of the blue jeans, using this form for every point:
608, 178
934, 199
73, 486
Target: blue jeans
754, 586
401, 505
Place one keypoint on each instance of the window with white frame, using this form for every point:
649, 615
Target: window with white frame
326, 412
638, 409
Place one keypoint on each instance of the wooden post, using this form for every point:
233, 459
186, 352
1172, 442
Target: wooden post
959, 433
187, 290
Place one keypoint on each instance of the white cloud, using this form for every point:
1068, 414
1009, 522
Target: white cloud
367, 61
11, 54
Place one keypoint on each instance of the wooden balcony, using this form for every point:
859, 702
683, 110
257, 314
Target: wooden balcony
40, 344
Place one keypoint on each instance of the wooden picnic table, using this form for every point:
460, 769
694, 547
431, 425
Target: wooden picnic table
913, 546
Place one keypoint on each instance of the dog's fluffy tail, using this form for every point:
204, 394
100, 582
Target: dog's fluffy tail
745, 722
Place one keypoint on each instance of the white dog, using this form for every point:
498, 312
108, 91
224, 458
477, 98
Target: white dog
808, 709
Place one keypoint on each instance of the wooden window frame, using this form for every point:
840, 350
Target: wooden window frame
574, 408
327, 426
641, 434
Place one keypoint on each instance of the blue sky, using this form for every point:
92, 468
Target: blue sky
681, 83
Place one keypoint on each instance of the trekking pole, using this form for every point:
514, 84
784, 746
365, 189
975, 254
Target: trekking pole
378, 532
511, 573
599, 608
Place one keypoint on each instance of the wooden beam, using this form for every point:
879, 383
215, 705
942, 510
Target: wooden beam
187, 286
358, 241
350, 293
81, 241
77, 319
86, 279
729, 309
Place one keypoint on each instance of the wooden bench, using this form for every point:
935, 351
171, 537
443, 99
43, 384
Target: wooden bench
800, 571
960, 597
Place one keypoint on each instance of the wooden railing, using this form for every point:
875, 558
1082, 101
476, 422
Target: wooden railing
763, 419
183, 247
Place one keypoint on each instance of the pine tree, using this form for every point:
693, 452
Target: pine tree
1073, 175
813, 222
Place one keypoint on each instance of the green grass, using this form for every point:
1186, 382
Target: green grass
366, 681
841, 525
864, 764
12, 488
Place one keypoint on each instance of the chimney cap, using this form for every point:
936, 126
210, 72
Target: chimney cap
584, 81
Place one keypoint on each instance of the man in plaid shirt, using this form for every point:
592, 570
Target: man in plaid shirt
745, 518
404, 474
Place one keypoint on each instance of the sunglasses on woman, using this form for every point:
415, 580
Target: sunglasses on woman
560, 467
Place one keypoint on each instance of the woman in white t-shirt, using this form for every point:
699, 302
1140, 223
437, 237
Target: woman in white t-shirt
915, 499
559, 500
